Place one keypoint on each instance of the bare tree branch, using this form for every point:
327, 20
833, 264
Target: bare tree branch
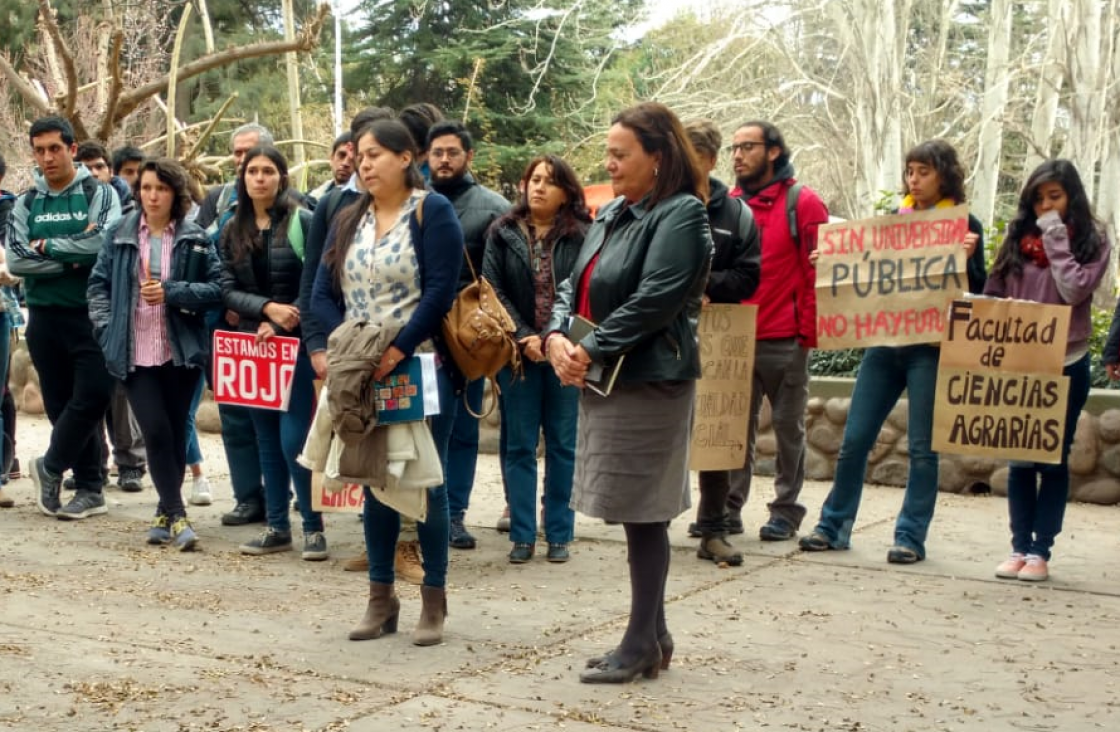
116, 43
68, 100
26, 90
307, 40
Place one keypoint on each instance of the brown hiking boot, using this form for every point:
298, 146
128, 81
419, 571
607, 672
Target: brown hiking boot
359, 563
719, 550
407, 563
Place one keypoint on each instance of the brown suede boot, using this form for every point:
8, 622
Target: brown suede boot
429, 631
381, 613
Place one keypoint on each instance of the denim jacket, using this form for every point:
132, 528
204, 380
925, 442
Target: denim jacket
190, 290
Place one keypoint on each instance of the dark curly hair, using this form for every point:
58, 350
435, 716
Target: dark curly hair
174, 176
942, 157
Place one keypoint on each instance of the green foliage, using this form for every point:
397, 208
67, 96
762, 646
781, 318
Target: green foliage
835, 363
517, 70
1102, 319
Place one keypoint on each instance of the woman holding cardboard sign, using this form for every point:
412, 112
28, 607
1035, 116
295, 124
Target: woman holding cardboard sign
637, 284
154, 278
262, 261
1055, 252
392, 258
934, 178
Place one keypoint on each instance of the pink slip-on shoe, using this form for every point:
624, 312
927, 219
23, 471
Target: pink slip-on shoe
1035, 569
1009, 568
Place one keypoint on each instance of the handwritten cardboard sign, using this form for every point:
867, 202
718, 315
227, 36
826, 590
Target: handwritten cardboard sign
887, 280
723, 393
331, 497
253, 374
1000, 389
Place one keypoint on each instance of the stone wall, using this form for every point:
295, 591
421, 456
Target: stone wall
1094, 460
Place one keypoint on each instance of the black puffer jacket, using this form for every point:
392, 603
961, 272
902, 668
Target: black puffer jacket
508, 267
242, 293
477, 207
736, 261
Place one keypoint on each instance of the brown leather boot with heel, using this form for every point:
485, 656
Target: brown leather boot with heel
429, 631
381, 614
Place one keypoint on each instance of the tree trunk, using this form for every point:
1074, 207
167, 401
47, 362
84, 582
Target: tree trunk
291, 63
1085, 79
991, 121
875, 31
1049, 88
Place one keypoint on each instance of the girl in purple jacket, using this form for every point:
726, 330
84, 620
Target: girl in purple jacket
1055, 252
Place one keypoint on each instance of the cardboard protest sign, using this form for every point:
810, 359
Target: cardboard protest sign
885, 281
1000, 389
723, 393
253, 374
327, 496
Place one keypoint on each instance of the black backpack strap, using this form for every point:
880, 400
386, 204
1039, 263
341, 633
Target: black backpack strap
792, 196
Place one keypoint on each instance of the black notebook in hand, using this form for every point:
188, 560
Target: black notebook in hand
600, 377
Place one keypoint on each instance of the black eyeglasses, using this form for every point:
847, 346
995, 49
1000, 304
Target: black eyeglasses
744, 146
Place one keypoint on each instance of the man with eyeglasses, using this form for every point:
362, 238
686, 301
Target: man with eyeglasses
450, 153
788, 215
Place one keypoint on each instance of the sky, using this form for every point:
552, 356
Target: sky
659, 10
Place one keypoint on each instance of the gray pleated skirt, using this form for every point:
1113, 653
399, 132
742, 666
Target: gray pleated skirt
632, 452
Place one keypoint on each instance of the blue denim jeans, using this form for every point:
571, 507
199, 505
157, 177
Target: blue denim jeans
462, 450
5, 352
531, 404
194, 451
280, 438
1037, 492
883, 375
382, 525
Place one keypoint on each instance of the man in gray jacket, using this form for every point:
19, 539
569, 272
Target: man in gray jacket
450, 152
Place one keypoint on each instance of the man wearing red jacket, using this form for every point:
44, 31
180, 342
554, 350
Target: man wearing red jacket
787, 313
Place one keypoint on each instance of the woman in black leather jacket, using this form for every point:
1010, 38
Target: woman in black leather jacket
262, 260
639, 280
529, 252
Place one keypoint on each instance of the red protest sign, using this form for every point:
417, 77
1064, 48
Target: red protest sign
253, 374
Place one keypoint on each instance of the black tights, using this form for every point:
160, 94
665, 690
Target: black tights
647, 547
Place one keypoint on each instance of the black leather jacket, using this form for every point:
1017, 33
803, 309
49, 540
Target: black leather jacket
508, 267
646, 287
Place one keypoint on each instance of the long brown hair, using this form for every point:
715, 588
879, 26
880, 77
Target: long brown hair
572, 217
240, 236
392, 135
660, 131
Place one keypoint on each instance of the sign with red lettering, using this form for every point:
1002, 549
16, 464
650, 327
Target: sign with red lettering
1000, 389
886, 281
333, 497
252, 374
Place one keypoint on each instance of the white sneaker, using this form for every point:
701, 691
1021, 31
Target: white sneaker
200, 492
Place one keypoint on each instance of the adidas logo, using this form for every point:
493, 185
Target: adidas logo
51, 218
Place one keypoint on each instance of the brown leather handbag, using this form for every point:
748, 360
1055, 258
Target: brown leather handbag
480, 334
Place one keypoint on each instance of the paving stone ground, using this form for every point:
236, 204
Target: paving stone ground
99, 631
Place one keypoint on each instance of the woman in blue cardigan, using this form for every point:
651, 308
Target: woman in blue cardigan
393, 258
